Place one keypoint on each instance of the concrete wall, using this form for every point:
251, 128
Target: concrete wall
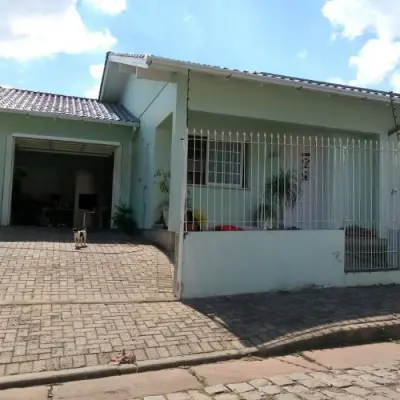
261, 261
153, 102
247, 262
372, 278
16, 123
278, 103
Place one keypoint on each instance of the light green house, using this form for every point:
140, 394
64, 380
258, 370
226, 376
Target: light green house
225, 137
291, 163
175, 100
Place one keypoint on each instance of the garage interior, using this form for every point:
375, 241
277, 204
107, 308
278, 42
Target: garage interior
62, 184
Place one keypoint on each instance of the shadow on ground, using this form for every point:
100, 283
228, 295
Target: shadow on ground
258, 319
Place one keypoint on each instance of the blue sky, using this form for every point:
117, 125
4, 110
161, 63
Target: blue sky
319, 39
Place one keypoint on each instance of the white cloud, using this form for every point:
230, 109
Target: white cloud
380, 53
40, 28
96, 71
93, 91
108, 6
395, 81
5, 86
303, 54
375, 61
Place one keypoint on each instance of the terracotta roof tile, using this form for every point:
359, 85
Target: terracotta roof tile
60, 105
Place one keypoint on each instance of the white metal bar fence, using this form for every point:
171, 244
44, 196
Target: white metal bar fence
268, 181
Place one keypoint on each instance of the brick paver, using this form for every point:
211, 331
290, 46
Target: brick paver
42, 264
59, 336
364, 382
355, 384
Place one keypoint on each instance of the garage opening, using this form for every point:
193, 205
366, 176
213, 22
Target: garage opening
62, 183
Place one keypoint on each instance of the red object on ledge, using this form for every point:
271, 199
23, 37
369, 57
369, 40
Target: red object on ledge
227, 228
191, 227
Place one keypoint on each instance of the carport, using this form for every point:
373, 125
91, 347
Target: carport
66, 177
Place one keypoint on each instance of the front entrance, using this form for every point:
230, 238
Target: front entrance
58, 182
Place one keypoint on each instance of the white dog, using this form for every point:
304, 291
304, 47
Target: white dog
80, 236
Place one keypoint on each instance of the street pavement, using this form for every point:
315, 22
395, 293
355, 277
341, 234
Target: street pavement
361, 372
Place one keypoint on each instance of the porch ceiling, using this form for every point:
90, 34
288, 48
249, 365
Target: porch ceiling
65, 147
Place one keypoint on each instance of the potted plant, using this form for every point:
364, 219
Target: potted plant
164, 186
200, 219
195, 220
123, 219
280, 191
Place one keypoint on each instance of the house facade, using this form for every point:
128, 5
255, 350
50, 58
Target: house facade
302, 174
264, 182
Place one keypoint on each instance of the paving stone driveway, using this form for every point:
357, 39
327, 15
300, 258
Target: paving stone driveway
42, 264
49, 337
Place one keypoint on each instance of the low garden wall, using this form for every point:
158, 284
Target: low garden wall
224, 263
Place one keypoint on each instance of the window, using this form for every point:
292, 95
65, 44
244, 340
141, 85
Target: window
216, 162
197, 156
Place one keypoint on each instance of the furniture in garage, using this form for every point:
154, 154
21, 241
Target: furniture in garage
86, 199
57, 216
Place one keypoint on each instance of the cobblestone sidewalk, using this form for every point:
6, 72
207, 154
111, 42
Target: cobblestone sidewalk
53, 337
380, 381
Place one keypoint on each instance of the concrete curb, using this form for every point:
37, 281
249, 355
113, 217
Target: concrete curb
329, 336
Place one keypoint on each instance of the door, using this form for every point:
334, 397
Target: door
307, 164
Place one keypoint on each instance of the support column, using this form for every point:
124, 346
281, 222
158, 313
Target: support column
8, 181
387, 190
177, 190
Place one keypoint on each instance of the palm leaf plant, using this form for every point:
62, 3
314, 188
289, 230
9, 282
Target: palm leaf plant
123, 218
280, 191
164, 186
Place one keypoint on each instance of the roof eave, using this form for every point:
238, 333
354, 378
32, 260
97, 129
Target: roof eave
103, 77
143, 62
69, 117
110, 57
153, 61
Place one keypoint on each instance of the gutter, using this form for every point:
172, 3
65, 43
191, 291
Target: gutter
69, 117
313, 85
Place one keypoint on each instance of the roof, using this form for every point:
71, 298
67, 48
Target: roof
69, 107
300, 83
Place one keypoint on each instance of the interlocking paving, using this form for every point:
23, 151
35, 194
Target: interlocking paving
42, 264
47, 337
380, 381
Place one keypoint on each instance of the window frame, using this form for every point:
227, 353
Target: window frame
206, 179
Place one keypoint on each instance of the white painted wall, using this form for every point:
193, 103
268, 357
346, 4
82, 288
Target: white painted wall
223, 263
